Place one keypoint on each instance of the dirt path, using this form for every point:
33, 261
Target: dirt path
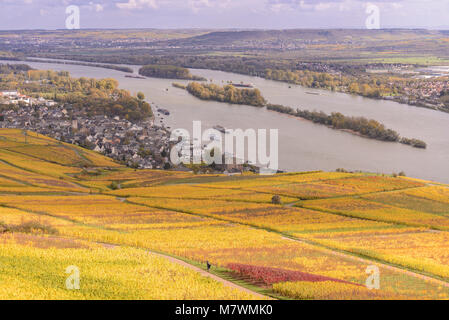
292, 204
209, 275
380, 264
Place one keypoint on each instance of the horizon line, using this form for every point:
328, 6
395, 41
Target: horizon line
442, 28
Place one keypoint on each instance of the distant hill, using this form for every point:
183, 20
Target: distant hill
315, 35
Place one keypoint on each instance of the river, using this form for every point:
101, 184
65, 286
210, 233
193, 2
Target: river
303, 145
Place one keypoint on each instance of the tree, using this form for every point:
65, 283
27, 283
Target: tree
276, 199
354, 88
140, 96
114, 185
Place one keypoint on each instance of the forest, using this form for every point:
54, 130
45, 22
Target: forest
228, 93
168, 72
368, 128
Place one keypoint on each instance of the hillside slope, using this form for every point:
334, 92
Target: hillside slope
59, 207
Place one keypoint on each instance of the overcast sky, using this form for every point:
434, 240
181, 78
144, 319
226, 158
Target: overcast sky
268, 14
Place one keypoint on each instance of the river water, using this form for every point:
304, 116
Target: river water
302, 144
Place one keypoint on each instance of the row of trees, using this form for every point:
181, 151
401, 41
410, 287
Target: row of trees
414, 143
168, 72
228, 93
365, 127
367, 85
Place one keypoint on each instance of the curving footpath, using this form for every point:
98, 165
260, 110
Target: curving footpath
210, 275
198, 270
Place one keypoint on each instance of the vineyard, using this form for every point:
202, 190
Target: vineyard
150, 236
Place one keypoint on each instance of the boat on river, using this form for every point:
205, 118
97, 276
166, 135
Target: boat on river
242, 85
134, 77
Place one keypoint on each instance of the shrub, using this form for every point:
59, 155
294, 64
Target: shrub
276, 200
274, 275
113, 186
3, 228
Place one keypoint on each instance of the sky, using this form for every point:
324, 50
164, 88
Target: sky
225, 14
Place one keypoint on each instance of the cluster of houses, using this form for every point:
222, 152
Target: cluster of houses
424, 93
140, 144
428, 91
16, 98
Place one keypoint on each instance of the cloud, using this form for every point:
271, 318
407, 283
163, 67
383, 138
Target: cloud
137, 4
197, 5
18, 14
97, 7
301, 5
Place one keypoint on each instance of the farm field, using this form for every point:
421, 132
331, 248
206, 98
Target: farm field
151, 238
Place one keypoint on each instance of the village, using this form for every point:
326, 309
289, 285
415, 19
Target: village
426, 94
140, 145
137, 144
